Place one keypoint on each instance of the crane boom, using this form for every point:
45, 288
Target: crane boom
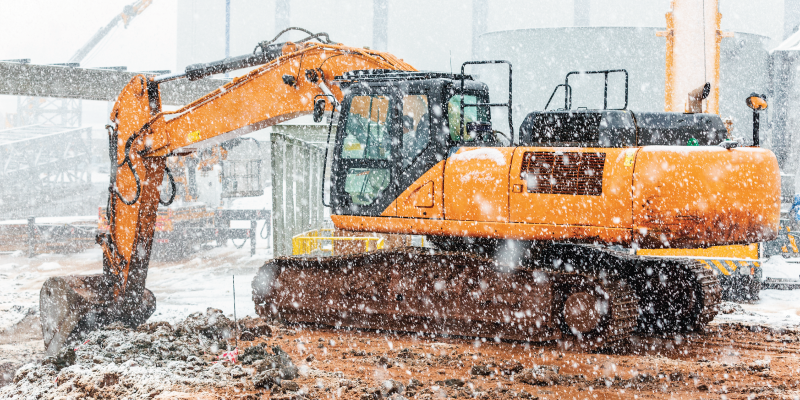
142, 137
128, 13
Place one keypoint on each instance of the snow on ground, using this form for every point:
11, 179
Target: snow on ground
206, 281
181, 287
778, 267
775, 308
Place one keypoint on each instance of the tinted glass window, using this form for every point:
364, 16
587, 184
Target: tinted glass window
471, 114
416, 125
367, 137
364, 185
366, 129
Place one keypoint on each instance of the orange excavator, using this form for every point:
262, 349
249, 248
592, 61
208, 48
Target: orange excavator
524, 225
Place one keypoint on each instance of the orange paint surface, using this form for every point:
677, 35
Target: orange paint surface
695, 197
611, 209
736, 251
476, 184
496, 230
705, 196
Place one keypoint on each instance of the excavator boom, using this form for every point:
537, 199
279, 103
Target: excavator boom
141, 137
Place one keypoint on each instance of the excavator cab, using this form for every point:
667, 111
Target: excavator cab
394, 126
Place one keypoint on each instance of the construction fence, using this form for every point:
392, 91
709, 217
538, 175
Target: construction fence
297, 166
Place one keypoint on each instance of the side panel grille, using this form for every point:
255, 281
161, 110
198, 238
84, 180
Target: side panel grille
564, 172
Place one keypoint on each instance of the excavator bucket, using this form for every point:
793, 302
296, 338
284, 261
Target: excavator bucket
72, 305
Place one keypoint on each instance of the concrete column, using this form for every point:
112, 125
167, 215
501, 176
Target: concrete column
782, 102
278, 185
317, 195
282, 15
791, 17
253, 234
227, 29
480, 14
31, 236
380, 24
581, 12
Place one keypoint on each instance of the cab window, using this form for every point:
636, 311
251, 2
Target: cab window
416, 126
471, 114
366, 129
367, 140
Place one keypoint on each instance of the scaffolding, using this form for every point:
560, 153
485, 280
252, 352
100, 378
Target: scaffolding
45, 171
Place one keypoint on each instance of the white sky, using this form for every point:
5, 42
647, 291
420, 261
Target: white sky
426, 33
50, 31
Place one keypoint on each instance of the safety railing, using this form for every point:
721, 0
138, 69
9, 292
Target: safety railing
323, 241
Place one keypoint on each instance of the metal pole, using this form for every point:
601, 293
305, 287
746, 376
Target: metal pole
227, 30
253, 238
31, 236
235, 323
756, 126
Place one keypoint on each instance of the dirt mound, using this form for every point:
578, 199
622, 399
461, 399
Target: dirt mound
155, 359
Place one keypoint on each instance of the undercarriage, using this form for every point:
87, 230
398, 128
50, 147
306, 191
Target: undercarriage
588, 296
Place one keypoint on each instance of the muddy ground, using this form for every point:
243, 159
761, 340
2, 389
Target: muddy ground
729, 360
759, 360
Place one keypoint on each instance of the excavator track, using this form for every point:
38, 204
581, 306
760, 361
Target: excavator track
711, 293
675, 295
620, 321
446, 293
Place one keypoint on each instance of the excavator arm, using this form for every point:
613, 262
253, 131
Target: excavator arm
141, 137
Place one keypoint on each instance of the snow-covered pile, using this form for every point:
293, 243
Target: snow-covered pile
154, 360
778, 267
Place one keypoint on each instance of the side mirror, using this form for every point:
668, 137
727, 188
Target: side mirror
757, 102
319, 110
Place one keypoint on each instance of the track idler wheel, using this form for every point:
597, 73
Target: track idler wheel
73, 305
582, 312
596, 313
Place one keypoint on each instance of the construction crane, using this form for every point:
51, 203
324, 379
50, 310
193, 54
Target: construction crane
523, 224
128, 13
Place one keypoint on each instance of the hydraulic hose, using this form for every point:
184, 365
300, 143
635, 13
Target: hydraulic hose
172, 187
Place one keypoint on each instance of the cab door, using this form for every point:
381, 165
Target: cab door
572, 186
364, 161
421, 173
